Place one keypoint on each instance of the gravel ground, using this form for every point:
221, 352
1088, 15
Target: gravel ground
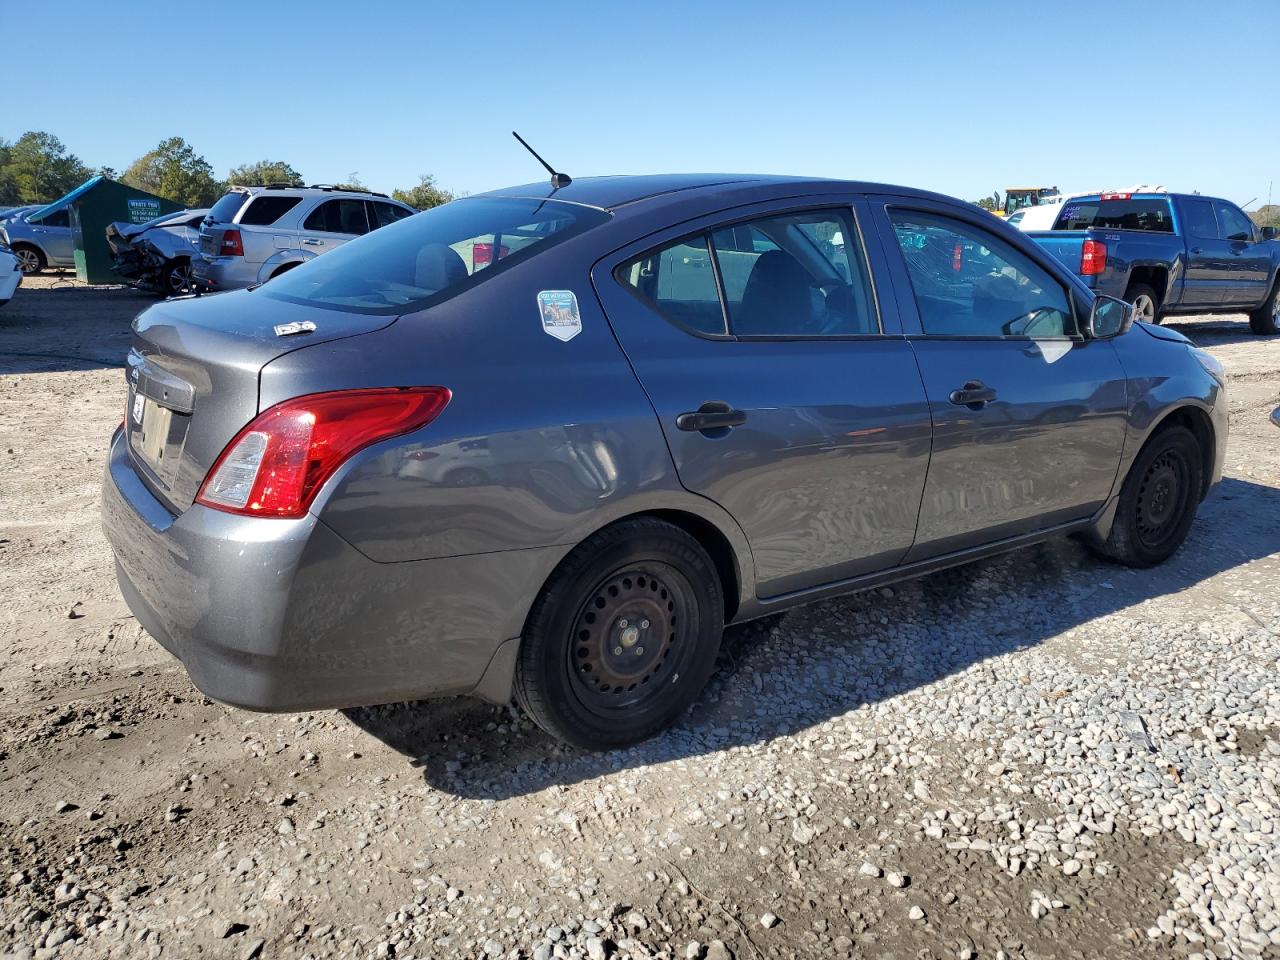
1038, 755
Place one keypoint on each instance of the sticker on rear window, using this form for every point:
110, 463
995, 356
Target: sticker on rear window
560, 317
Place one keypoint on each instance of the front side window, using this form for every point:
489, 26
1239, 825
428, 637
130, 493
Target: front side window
969, 283
431, 256
338, 216
266, 210
1233, 224
792, 275
59, 218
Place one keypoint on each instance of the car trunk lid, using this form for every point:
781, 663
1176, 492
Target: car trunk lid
193, 377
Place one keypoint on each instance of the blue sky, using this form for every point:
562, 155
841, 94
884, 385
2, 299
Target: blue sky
963, 98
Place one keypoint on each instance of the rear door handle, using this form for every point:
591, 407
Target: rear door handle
712, 415
975, 395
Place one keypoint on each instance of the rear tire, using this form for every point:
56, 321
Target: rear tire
279, 270
1265, 321
623, 637
30, 259
1158, 500
1146, 303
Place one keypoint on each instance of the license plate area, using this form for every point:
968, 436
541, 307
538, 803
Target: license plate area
149, 429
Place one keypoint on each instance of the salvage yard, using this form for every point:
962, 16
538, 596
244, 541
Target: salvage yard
1039, 755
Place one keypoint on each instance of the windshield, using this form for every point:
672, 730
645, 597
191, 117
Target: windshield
432, 256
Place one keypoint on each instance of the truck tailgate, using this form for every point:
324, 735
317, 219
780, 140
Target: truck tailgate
1066, 245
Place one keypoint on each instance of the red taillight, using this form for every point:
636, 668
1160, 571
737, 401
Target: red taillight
1093, 258
482, 254
957, 258
231, 245
275, 465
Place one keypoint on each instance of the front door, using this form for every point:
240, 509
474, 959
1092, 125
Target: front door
1028, 417
782, 396
1250, 257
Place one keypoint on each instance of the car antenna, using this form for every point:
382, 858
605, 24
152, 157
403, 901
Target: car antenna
558, 180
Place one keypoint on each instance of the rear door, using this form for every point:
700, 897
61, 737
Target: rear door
786, 394
1029, 418
1250, 257
1209, 258
55, 236
333, 223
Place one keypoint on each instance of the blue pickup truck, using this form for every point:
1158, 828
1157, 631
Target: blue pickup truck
1171, 253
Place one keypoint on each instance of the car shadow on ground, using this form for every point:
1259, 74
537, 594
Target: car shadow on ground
55, 324
1216, 333
793, 671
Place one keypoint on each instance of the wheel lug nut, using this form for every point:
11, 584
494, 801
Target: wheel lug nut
617, 651
644, 624
639, 651
622, 623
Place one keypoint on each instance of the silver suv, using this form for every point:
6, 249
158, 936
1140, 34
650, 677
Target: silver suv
255, 233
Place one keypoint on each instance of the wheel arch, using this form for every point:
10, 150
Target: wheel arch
1196, 420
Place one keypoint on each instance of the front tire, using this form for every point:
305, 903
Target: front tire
30, 259
623, 637
1265, 321
1157, 501
1146, 304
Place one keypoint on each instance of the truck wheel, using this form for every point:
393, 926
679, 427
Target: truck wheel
1146, 305
623, 637
1266, 319
30, 259
1157, 501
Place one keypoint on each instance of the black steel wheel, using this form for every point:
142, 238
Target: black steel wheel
1158, 500
623, 637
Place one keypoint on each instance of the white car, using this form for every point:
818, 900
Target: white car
10, 275
1040, 217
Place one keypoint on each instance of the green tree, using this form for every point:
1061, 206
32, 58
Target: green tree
425, 195
264, 172
37, 168
174, 170
987, 203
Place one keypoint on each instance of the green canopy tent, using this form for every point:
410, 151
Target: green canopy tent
93, 205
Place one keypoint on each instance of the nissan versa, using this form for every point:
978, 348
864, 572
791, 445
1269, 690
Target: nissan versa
544, 443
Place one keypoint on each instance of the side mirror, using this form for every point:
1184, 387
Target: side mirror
1270, 233
1109, 318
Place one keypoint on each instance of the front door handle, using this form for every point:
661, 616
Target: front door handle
1196, 250
310, 242
714, 415
975, 395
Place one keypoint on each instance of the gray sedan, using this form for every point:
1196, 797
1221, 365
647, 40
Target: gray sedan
544, 444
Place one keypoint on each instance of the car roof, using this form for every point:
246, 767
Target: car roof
614, 192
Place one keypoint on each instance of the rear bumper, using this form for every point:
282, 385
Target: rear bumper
223, 273
275, 615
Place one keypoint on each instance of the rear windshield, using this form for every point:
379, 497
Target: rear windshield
225, 210
432, 256
1124, 214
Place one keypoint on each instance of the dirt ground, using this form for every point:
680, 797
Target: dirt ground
1038, 756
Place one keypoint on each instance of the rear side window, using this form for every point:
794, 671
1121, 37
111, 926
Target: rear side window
266, 210
432, 256
228, 205
1124, 214
969, 283
385, 214
792, 275
338, 216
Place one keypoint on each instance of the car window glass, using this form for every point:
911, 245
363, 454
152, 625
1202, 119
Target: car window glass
679, 281
1200, 221
338, 216
59, 218
388, 213
797, 274
969, 283
266, 210
428, 258
1128, 213
1233, 224
228, 205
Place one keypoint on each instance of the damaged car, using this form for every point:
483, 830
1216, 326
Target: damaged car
156, 255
